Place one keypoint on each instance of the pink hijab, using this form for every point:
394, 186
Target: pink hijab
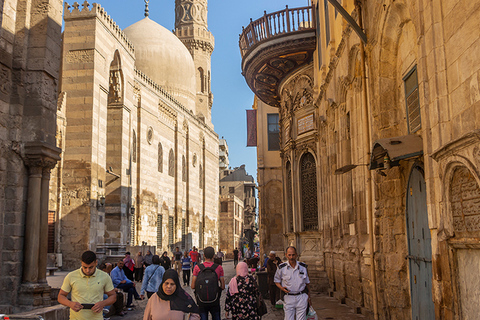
242, 271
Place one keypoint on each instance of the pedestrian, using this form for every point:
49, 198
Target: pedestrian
291, 277
235, 258
218, 259
165, 261
87, 301
208, 297
152, 278
129, 264
242, 295
138, 269
147, 259
194, 256
171, 302
177, 258
120, 281
186, 267
117, 307
272, 265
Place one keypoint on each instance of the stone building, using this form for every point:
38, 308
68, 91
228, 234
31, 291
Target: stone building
269, 178
30, 50
140, 155
379, 147
237, 207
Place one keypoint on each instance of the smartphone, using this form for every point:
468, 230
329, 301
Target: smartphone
87, 305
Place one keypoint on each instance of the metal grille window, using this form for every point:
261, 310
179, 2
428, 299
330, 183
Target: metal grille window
170, 232
289, 198
184, 235
309, 192
231, 189
273, 132
412, 101
159, 231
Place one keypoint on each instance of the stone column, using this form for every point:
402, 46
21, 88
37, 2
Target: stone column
32, 224
43, 239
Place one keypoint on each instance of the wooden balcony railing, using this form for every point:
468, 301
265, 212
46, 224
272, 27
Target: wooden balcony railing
276, 24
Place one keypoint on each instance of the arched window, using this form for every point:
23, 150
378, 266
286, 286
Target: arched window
134, 146
289, 196
201, 80
171, 163
308, 176
160, 157
184, 169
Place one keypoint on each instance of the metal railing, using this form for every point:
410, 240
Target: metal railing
275, 24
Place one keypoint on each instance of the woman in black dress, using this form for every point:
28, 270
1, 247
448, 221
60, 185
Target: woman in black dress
165, 261
241, 301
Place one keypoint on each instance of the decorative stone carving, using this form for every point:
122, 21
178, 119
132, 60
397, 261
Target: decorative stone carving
115, 89
190, 11
5, 79
308, 182
149, 135
465, 202
80, 56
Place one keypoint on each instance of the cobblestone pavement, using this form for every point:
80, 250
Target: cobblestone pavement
326, 307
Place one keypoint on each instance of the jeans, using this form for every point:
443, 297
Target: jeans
214, 311
130, 289
186, 276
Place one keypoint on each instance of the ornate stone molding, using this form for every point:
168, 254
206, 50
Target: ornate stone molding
196, 44
463, 142
41, 154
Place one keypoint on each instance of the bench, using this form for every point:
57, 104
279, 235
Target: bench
51, 270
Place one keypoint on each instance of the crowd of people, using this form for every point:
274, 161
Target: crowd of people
98, 293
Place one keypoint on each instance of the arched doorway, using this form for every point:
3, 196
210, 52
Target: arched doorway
419, 248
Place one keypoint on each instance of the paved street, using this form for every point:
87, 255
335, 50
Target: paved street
326, 307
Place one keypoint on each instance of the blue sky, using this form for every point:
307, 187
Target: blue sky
232, 96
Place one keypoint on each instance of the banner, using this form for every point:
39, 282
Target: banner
251, 128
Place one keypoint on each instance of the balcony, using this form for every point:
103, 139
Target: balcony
273, 47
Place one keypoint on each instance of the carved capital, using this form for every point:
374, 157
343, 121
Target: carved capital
41, 155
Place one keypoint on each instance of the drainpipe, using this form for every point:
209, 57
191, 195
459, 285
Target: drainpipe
368, 173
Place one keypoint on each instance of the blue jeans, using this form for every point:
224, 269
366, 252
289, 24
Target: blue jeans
130, 289
214, 311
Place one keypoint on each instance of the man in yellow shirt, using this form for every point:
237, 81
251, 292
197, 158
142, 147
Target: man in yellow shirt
87, 286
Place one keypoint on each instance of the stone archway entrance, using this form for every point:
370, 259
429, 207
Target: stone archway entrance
419, 248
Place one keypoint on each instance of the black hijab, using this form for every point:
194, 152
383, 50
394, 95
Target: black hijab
179, 300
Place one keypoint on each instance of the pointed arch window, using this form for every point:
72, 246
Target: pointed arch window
308, 176
184, 169
201, 80
171, 163
160, 157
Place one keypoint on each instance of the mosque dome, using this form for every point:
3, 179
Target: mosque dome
164, 58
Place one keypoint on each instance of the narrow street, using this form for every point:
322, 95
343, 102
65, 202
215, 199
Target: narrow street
326, 307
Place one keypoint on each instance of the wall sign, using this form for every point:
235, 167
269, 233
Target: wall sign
305, 124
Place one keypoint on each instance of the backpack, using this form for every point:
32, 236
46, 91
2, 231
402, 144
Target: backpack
206, 286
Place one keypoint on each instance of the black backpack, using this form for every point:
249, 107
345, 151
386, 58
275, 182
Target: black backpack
207, 290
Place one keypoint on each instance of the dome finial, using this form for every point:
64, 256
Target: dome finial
146, 7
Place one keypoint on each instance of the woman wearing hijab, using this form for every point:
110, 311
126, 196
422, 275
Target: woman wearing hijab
241, 301
129, 264
171, 302
165, 261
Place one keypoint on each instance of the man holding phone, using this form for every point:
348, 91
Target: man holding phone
87, 286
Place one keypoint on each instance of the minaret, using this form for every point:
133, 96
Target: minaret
192, 29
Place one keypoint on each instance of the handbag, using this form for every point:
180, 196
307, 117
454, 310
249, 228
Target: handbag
261, 306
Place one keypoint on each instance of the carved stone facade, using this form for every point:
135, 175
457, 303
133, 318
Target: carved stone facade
30, 49
127, 175
400, 241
